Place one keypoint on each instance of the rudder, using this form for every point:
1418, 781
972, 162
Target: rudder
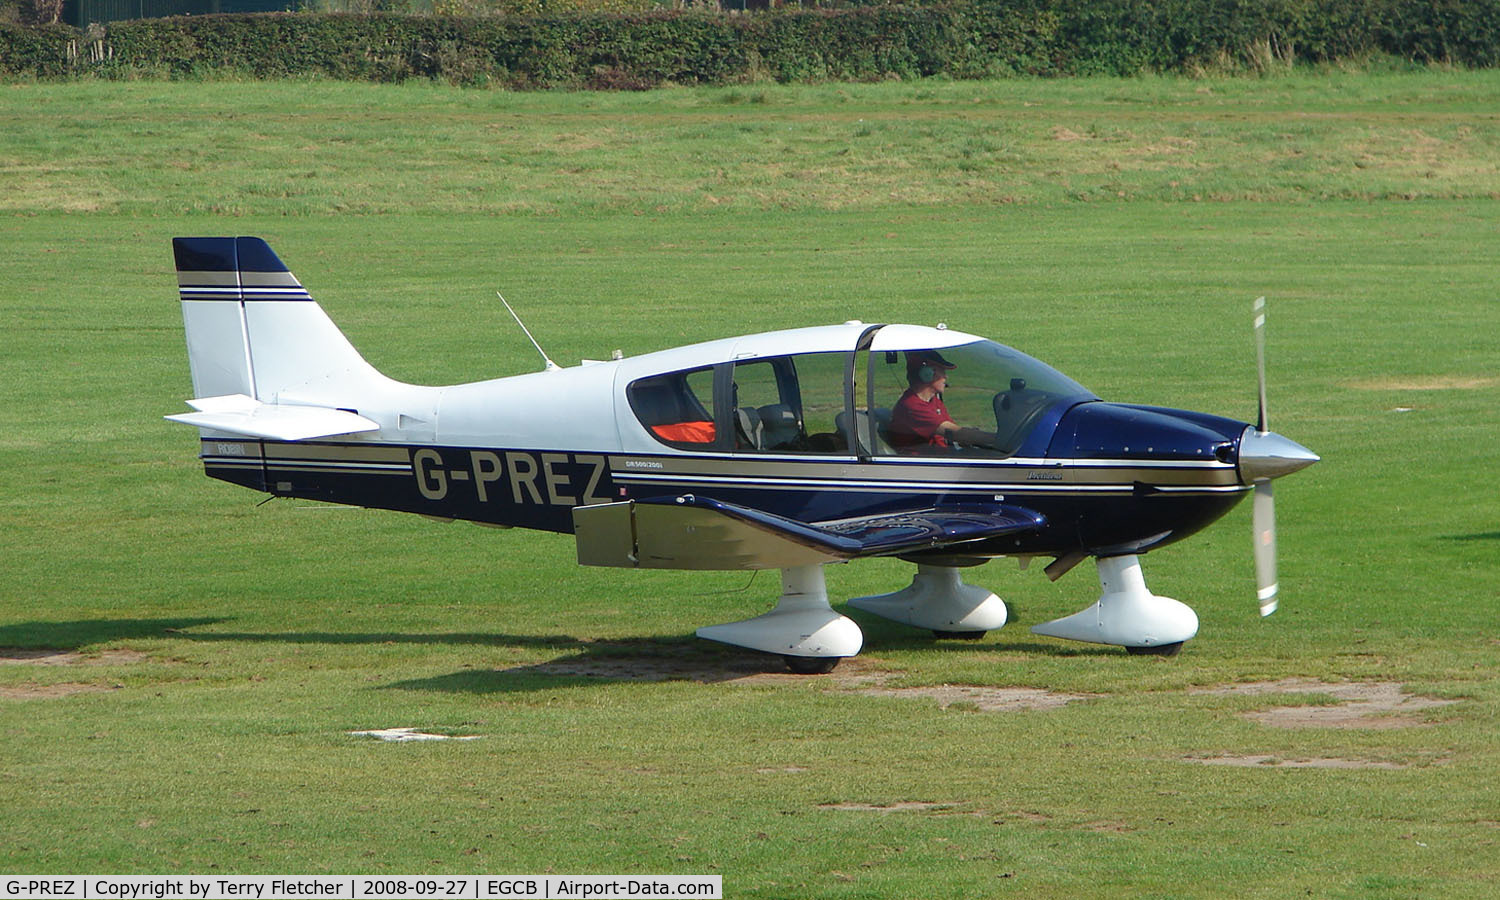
253, 329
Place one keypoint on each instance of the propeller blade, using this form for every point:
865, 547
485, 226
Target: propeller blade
1259, 308
1264, 523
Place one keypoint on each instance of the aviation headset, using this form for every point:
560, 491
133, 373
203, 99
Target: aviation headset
927, 372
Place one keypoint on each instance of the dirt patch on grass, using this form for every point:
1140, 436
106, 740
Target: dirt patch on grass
15, 656
746, 669
861, 675
1366, 704
1425, 383
50, 691
1276, 762
1012, 817
982, 699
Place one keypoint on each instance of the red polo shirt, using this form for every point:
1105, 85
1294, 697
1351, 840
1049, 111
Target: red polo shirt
914, 421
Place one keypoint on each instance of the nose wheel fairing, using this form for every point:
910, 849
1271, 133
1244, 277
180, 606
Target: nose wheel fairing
1126, 614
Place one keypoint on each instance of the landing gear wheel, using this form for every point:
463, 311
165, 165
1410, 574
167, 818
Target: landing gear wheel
958, 635
1158, 650
811, 665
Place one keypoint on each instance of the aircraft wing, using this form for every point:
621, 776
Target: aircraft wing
691, 532
240, 414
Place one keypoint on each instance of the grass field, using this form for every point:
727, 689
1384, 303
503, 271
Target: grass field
211, 656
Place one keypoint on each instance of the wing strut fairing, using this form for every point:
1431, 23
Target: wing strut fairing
692, 532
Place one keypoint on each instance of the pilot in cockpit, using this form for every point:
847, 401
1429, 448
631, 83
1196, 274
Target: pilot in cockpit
920, 423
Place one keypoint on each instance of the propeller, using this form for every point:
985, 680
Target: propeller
1263, 508
1264, 522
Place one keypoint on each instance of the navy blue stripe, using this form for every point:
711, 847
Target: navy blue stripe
298, 294
190, 292
255, 255
204, 254
225, 254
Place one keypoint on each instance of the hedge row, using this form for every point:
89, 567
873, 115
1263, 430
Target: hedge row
1128, 36
44, 51
635, 50
597, 49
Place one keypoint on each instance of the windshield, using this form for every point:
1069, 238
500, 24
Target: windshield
993, 396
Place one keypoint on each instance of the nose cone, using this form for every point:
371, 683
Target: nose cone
1266, 454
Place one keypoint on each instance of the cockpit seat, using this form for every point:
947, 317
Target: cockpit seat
747, 428
862, 430
778, 426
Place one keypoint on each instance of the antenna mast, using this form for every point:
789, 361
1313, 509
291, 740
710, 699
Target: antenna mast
548, 364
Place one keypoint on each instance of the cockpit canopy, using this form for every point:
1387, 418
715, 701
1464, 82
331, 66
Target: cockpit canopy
998, 394
840, 402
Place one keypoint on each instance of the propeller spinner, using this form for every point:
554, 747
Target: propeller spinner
1265, 455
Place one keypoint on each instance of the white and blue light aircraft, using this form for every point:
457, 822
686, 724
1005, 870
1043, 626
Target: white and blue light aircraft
768, 451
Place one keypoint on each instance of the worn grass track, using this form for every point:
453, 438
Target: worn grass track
223, 651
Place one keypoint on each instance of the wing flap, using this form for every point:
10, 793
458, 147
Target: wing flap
240, 414
690, 532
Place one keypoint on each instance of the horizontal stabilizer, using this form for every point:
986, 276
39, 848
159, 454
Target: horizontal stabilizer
239, 414
690, 532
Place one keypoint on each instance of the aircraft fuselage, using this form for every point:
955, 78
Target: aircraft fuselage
1091, 505
787, 449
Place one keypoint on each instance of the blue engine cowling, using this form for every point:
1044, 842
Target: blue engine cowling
1150, 518
1100, 430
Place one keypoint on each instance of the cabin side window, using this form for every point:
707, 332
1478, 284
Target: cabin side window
677, 408
789, 404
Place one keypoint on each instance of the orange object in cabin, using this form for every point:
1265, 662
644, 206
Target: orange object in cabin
686, 432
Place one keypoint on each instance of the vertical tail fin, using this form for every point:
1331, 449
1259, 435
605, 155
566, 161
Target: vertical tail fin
253, 329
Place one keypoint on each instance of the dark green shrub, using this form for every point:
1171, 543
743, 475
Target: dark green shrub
45, 51
858, 42
1460, 32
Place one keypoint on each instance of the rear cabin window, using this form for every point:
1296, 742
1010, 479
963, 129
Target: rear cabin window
790, 404
677, 408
